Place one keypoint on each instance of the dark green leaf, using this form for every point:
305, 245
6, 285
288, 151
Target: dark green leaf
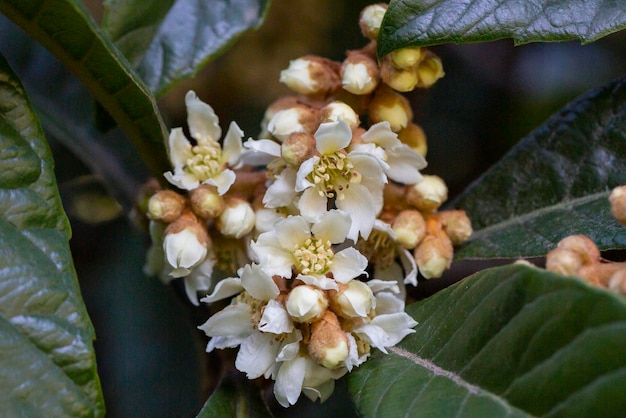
508, 341
432, 22
235, 398
69, 32
554, 183
47, 363
132, 24
193, 32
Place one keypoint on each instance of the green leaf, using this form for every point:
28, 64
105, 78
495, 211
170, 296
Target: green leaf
234, 398
432, 22
132, 24
193, 32
66, 29
553, 183
47, 362
508, 341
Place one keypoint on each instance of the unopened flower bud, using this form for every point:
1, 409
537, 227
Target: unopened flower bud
583, 246
337, 110
371, 18
413, 136
406, 58
456, 225
617, 282
434, 255
429, 70
237, 218
185, 244
296, 119
206, 202
312, 75
428, 194
388, 105
563, 261
410, 228
354, 299
329, 344
403, 80
306, 303
165, 206
359, 73
297, 148
618, 204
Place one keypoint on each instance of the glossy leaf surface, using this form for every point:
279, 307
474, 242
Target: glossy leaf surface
47, 362
432, 22
508, 341
554, 183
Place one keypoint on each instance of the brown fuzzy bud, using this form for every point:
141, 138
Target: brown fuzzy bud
371, 18
403, 80
584, 247
388, 105
563, 261
297, 148
166, 206
410, 228
185, 244
338, 110
456, 225
206, 202
434, 254
428, 194
413, 136
359, 73
329, 344
312, 76
617, 282
299, 118
429, 70
618, 204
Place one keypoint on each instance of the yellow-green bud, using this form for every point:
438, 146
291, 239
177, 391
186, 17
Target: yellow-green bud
434, 255
388, 105
403, 80
406, 58
429, 70
413, 136
428, 194
410, 228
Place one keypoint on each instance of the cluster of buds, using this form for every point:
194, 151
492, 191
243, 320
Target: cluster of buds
320, 223
577, 255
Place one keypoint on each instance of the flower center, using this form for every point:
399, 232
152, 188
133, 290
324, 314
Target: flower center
314, 256
206, 161
333, 174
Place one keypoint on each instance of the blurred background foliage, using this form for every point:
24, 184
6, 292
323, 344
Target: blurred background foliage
149, 353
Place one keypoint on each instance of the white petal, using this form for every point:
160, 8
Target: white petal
332, 226
266, 218
380, 285
348, 264
409, 266
304, 170
183, 250
312, 205
382, 135
233, 320
222, 181
376, 335
404, 164
179, 148
292, 348
257, 283
231, 150
256, 354
388, 303
261, 152
370, 167
323, 282
397, 326
292, 232
358, 203
281, 192
199, 279
221, 342
202, 121
332, 136
353, 354
272, 258
275, 319
225, 288
289, 381
393, 272
182, 180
